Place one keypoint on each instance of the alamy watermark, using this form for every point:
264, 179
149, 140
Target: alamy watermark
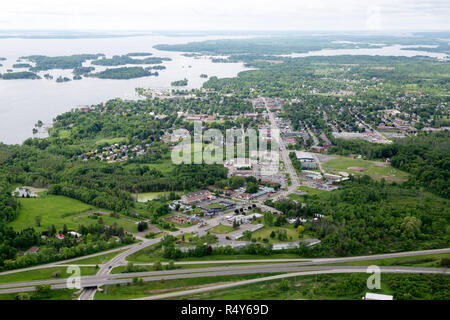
73, 281
374, 281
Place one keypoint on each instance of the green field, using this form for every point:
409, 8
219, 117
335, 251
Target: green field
60, 210
133, 291
310, 191
335, 287
265, 232
221, 229
146, 196
377, 172
61, 294
149, 254
107, 220
56, 210
121, 269
426, 261
43, 274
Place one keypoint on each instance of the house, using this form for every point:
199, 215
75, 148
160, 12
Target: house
60, 236
23, 192
32, 250
318, 148
75, 234
194, 197
377, 296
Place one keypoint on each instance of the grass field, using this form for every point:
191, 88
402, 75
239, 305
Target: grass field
60, 210
426, 261
132, 291
265, 232
386, 171
44, 274
97, 259
221, 229
311, 191
334, 287
146, 196
107, 220
61, 294
121, 269
151, 255
57, 210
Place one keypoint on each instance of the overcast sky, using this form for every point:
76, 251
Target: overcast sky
225, 15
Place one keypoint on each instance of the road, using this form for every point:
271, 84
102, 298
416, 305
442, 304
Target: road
92, 282
285, 156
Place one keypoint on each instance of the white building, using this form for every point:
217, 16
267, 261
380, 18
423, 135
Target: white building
377, 296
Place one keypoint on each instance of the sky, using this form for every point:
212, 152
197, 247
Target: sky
190, 15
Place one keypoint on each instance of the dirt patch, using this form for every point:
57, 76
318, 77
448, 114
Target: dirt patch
359, 169
380, 164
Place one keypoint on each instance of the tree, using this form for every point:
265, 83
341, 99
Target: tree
268, 219
300, 229
22, 296
157, 266
247, 235
38, 221
411, 226
251, 187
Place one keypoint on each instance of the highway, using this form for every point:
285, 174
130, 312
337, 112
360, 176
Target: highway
92, 282
101, 278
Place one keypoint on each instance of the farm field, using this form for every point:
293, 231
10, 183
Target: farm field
221, 229
264, 233
44, 274
158, 287
334, 287
59, 211
97, 259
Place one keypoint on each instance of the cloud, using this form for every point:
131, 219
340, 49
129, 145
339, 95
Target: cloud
220, 15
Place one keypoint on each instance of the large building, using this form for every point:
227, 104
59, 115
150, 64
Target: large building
306, 159
194, 197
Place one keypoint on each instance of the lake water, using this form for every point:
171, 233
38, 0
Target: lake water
392, 50
24, 102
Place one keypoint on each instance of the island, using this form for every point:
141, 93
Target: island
179, 83
19, 75
44, 63
62, 79
123, 60
82, 70
123, 73
22, 65
139, 54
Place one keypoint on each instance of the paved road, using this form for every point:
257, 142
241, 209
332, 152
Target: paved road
93, 281
285, 156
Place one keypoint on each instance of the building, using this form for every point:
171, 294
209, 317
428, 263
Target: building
377, 296
194, 197
23, 192
306, 159
75, 234
60, 236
